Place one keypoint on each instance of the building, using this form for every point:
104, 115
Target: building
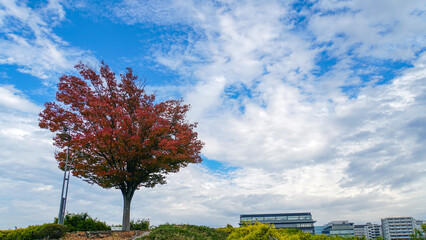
359, 230
372, 231
368, 230
339, 228
318, 229
418, 224
398, 228
302, 221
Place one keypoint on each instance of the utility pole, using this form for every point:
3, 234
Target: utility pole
66, 180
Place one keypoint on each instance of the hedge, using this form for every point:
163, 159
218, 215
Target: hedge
48, 230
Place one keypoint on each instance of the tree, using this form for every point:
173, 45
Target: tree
419, 234
119, 136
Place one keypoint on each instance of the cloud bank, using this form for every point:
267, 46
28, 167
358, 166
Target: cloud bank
316, 107
27, 40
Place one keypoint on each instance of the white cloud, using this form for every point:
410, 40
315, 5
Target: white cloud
382, 29
30, 180
272, 117
29, 42
198, 196
42, 188
331, 189
11, 98
27, 168
299, 142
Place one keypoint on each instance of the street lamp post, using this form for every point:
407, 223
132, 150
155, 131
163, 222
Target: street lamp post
65, 182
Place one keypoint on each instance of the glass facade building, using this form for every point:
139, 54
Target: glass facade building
302, 221
318, 229
339, 228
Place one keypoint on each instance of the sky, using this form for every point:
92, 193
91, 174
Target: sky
303, 106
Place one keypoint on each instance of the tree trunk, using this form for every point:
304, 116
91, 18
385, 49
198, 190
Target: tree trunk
127, 198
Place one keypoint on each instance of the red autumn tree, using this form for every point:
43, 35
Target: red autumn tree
120, 136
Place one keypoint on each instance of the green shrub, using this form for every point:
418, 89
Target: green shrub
419, 234
184, 232
28, 233
4, 233
139, 224
83, 222
260, 231
256, 231
49, 230
228, 229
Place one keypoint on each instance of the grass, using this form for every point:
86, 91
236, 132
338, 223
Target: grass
184, 232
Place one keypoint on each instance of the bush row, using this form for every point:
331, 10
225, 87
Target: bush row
261, 231
183, 232
83, 222
256, 231
72, 222
45, 231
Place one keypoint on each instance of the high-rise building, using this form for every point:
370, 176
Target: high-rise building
339, 228
302, 221
398, 228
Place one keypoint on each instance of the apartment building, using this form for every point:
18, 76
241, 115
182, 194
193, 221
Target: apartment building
398, 228
372, 231
359, 230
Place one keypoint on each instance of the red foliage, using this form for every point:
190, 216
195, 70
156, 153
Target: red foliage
120, 136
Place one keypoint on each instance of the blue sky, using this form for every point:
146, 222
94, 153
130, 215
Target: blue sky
313, 106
